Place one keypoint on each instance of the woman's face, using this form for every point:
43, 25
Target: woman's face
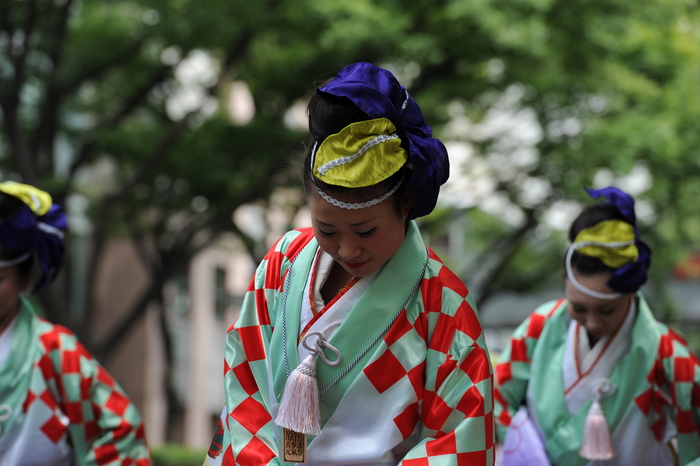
11, 286
600, 317
361, 240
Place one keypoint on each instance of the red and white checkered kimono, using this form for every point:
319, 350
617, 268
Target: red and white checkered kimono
420, 395
58, 406
657, 396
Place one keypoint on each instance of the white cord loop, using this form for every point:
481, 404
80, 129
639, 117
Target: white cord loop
320, 343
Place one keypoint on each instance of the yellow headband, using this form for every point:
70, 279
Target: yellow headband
361, 154
39, 201
612, 241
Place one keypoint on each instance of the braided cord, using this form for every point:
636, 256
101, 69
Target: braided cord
366, 350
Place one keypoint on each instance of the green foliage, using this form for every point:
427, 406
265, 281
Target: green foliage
176, 455
560, 93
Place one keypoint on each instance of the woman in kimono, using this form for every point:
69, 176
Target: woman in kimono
58, 406
593, 378
355, 344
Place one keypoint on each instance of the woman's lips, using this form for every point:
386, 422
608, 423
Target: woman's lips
355, 265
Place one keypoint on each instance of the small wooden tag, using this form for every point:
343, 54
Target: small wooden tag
293, 446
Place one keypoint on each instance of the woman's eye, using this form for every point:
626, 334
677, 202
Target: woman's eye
366, 232
326, 233
578, 309
607, 312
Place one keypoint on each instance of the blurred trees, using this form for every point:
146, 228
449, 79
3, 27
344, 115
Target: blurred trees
122, 110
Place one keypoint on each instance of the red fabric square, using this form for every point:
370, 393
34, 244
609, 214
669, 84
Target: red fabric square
105, 454
50, 340
261, 307
443, 334
472, 403
445, 445
467, 321
122, 430
471, 458
407, 420
684, 422
244, 375
683, 370
251, 415
503, 373
644, 401
436, 412
74, 410
490, 434
117, 403
416, 462
252, 342
28, 401
385, 371
53, 429
452, 281
272, 270
400, 328
415, 376
431, 292
71, 362
85, 385
104, 377
91, 430
444, 370
477, 365
518, 350
228, 457
255, 452
535, 326
46, 367
666, 346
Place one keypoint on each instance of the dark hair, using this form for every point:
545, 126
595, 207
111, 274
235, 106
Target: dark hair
9, 205
591, 215
329, 114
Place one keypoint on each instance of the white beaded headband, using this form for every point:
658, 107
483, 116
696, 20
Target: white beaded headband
359, 205
16, 260
570, 272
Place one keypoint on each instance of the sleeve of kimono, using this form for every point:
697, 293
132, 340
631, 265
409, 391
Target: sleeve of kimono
513, 368
248, 432
457, 407
104, 426
682, 373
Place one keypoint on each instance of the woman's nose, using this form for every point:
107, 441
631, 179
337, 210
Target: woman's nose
594, 325
349, 250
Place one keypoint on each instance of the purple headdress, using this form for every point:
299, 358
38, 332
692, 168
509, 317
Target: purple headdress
378, 94
631, 276
25, 232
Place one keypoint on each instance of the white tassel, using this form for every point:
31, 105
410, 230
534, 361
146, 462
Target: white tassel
299, 409
596, 443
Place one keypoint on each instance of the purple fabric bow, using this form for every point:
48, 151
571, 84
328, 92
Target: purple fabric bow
377, 93
630, 277
25, 232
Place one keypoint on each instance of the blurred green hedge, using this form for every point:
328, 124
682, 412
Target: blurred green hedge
177, 455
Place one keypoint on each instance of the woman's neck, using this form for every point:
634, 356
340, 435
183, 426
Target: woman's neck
337, 279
